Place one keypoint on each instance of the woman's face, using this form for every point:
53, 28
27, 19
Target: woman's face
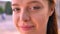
30, 16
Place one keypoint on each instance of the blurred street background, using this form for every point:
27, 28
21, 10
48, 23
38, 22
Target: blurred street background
6, 23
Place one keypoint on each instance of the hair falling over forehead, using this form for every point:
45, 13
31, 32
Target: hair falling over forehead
52, 23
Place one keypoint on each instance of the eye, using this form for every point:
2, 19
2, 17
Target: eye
16, 9
36, 8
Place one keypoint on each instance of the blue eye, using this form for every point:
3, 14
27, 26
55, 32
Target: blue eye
16, 9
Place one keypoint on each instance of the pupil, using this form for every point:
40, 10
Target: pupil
17, 9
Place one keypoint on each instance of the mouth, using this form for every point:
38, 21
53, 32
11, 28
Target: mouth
27, 27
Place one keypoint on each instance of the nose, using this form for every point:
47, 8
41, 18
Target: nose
24, 16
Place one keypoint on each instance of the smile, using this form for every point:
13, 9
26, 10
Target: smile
27, 27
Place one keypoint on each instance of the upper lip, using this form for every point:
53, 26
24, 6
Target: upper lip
27, 26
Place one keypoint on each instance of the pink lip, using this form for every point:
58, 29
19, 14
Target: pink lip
27, 27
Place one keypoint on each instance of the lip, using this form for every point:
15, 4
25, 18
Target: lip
27, 27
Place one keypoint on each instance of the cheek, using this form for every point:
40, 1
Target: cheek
15, 19
40, 20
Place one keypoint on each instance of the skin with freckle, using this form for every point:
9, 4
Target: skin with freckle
31, 16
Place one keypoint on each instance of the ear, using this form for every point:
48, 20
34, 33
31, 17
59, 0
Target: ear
51, 11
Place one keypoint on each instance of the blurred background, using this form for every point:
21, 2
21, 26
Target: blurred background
6, 23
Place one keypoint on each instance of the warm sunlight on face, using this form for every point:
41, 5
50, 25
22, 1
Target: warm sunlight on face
30, 16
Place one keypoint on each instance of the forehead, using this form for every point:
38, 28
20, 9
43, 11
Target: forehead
26, 1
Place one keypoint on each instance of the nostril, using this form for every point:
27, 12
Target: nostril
25, 20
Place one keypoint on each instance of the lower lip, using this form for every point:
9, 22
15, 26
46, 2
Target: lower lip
27, 28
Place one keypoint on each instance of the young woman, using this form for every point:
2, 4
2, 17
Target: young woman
35, 16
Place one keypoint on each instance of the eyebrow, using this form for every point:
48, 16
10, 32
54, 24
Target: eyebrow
27, 3
33, 2
14, 4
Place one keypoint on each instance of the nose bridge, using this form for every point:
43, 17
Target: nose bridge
24, 15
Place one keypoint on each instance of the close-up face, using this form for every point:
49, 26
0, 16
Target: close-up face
31, 16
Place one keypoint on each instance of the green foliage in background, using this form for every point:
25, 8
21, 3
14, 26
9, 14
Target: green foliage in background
8, 9
1, 10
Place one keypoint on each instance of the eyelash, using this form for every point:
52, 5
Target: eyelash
36, 8
16, 9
